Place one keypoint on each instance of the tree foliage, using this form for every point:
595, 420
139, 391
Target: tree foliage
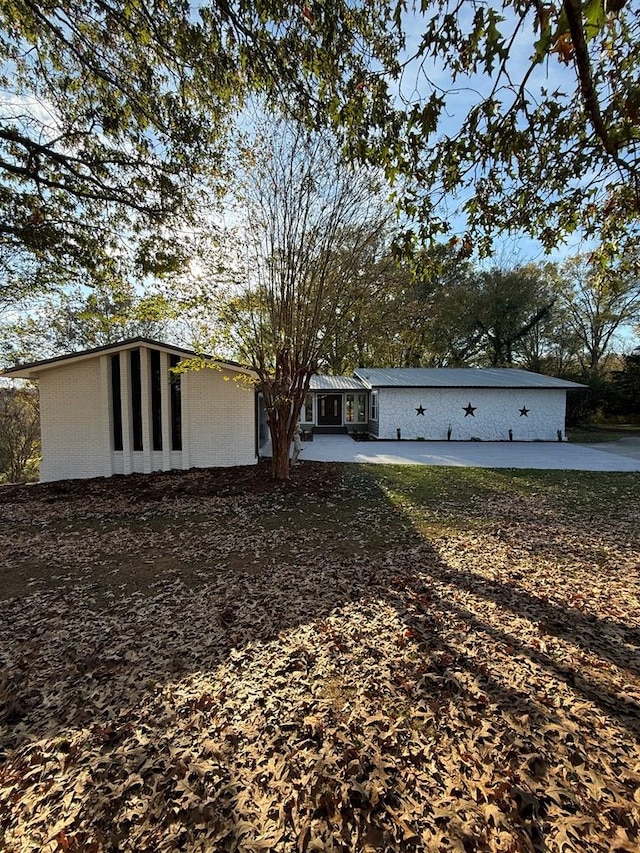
599, 300
102, 134
81, 319
115, 113
307, 227
19, 430
545, 145
626, 383
113, 108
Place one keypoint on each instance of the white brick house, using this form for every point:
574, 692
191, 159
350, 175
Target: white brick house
436, 404
119, 409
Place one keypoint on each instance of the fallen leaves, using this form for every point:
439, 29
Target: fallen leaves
339, 682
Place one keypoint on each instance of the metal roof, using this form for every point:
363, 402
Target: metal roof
457, 377
32, 369
336, 383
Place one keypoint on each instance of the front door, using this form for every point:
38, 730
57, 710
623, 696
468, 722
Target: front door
329, 410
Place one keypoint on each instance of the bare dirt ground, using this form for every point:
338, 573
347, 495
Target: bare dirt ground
359, 660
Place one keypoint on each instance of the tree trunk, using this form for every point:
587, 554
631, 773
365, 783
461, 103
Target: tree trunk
284, 395
280, 447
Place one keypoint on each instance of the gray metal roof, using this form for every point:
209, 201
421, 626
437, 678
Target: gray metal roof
457, 377
336, 383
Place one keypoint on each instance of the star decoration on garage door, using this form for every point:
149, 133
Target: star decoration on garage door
469, 410
420, 410
524, 412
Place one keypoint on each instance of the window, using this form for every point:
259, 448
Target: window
156, 392
136, 399
306, 416
374, 406
349, 408
176, 405
355, 408
116, 403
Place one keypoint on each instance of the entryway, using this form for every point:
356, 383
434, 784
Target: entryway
329, 410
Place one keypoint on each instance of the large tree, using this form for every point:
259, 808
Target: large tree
507, 306
81, 319
115, 105
306, 227
114, 114
103, 135
600, 299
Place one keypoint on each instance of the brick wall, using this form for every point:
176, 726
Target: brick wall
218, 420
74, 421
497, 410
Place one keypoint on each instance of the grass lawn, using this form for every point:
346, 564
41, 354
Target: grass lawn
383, 658
599, 433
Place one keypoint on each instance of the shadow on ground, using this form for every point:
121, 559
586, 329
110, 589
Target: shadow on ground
303, 668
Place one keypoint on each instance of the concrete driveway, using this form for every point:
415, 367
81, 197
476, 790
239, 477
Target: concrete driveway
629, 446
623, 455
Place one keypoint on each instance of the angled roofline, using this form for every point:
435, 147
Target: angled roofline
331, 382
32, 369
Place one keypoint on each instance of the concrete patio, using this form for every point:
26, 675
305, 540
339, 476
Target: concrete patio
486, 454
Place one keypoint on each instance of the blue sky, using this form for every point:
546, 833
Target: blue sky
467, 91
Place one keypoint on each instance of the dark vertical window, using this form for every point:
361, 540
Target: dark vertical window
156, 392
136, 399
176, 405
116, 402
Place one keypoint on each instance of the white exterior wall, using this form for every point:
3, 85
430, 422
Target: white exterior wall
74, 420
218, 420
497, 411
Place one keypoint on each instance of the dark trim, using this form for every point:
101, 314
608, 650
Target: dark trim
175, 399
155, 380
136, 399
116, 403
330, 430
256, 421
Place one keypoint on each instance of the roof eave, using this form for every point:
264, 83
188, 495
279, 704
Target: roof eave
33, 370
565, 387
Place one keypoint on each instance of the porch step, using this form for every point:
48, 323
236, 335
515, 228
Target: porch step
329, 430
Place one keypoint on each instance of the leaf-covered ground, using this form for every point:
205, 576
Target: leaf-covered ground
382, 659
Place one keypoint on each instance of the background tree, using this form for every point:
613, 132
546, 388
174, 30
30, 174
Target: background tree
552, 346
372, 313
440, 329
19, 430
508, 306
308, 226
599, 300
626, 385
453, 314
409, 314
81, 319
